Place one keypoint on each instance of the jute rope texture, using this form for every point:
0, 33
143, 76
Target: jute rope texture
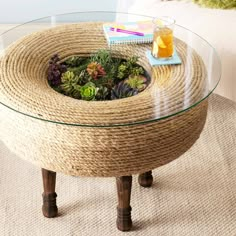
97, 151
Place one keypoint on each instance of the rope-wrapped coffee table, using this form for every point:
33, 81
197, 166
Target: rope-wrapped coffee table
116, 138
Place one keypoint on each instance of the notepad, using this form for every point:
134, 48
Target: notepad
115, 33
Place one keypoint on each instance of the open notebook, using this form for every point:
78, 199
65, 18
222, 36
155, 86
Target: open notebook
129, 32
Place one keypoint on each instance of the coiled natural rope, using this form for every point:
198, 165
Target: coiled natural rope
97, 151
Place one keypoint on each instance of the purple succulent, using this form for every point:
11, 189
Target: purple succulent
55, 70
122, 90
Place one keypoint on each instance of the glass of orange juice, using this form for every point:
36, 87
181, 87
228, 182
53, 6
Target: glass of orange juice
163, 39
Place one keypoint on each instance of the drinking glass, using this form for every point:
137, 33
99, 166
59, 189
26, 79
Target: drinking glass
163, 39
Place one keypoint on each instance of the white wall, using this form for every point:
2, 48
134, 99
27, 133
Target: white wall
19, 11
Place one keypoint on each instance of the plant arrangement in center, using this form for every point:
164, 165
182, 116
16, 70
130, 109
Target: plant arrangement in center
97, 78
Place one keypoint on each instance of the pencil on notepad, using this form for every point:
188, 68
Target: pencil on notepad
126, 31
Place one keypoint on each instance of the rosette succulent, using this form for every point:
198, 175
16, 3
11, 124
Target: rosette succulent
129, 67
70, 84
122, 90
137, 70
88, 91
102, 93
69, 76
138, 82
95, 70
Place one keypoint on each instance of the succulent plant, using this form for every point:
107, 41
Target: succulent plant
137, 82
129, 67
68, 76
70, 84
102, 93
88, 91
132, 61
122, 90
95, 70
72, 90
74, 61
122, 71
55, 70
137, 70
103, 57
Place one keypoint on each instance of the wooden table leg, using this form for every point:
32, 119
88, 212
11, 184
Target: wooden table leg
145, 179
124, 184
49, 196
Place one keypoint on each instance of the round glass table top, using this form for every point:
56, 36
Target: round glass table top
26, 49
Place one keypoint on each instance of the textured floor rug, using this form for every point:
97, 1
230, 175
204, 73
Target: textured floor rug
194, 195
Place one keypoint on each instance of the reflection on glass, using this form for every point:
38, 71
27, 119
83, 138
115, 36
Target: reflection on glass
173, 89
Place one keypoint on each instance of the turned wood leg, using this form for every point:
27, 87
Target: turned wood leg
145, 179
49, 196
124, 184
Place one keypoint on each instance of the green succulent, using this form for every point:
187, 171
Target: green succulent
72, 90
68, 76
88, 91
132, 60
103, 57
129, 67
137, 82
70, 84
84, 77
122, 71
138, 70
102, 93
74, 61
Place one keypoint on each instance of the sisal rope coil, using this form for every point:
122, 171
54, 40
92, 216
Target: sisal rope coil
100, 148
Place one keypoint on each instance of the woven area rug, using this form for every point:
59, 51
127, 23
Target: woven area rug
194, 195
